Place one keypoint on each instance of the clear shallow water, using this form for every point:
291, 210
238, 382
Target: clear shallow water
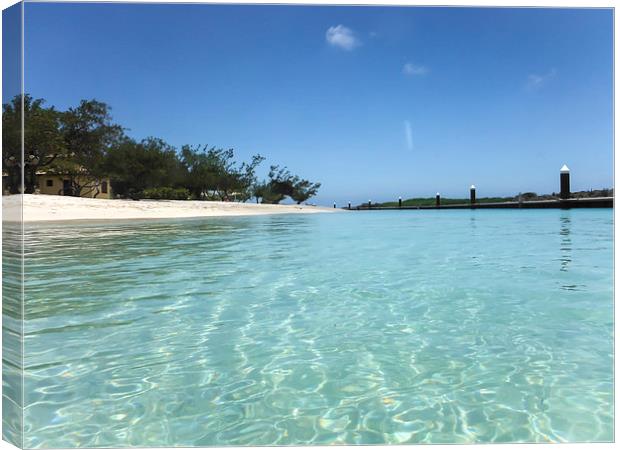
383, 327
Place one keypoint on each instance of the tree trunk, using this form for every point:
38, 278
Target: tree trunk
76, 190
30, 177
13, 179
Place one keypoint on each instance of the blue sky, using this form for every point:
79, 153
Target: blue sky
374, 102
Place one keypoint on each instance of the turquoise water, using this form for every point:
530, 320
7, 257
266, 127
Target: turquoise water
359, 328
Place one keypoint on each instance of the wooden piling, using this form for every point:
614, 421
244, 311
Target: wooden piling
564, 182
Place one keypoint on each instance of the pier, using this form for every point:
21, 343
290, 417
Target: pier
595, 202
563, 202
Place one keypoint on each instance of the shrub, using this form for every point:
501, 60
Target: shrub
166, 193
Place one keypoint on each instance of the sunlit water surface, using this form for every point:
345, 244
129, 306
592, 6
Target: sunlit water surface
358, 328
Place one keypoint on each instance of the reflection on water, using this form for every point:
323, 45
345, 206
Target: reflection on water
403, 327
565, 246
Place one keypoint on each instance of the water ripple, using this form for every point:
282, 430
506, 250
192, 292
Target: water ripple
410, 327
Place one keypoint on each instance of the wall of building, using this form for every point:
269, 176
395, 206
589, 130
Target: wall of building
53, 185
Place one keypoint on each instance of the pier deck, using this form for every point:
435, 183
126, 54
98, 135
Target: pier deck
596, 202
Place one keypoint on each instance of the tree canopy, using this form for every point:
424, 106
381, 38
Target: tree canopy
134, 167
212, 173
43, 140
283, 184
85, 145
88, 134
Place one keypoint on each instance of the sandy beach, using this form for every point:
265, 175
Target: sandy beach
42, 208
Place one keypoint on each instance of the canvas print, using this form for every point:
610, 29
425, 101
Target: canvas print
270, 225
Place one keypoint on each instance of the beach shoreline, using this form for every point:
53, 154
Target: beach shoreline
56, 208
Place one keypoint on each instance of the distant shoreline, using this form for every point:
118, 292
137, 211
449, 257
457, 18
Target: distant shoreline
56, 208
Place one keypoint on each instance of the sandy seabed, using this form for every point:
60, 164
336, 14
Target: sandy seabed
41, 208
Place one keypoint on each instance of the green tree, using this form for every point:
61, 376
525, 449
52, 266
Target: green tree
303, 190
212, 173
43, 141
283, 184
264, 193
88, 133
242, 180
201, 170
134, 167
281, 181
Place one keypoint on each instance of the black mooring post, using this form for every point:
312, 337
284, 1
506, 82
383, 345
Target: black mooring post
369, 204
564, 182
400, 202
472, 195
334, 205
437, 200
349, 205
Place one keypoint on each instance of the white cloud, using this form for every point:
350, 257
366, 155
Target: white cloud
536, 81
408, 135
413, 69
343, 37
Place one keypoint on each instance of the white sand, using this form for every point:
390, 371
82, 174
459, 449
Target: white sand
40, 208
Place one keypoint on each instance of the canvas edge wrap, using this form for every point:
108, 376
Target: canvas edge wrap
12, 244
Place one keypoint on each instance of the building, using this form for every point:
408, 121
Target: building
58, 184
